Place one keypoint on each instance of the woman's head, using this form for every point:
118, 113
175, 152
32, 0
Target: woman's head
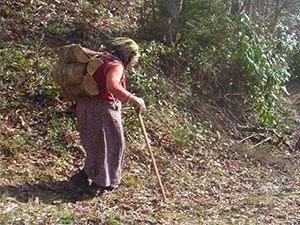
126, 50
124, 46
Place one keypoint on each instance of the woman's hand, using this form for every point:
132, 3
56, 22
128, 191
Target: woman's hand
137, 102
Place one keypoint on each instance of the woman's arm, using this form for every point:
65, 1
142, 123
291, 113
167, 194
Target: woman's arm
113, 85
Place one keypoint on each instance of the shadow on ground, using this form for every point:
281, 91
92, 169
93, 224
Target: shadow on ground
46, 192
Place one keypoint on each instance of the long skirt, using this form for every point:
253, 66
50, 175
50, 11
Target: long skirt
102, 137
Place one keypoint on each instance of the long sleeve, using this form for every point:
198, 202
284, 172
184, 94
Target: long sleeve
113, 85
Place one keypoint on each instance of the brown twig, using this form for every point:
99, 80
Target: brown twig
263, 141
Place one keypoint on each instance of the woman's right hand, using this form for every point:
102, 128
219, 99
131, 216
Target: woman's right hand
137, 102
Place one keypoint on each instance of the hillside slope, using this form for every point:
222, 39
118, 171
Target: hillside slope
212, 171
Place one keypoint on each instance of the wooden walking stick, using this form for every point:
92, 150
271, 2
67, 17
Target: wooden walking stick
152, 156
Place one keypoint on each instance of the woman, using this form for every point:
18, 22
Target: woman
99, 119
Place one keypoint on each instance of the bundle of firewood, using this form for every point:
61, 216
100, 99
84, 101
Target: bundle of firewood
74, 72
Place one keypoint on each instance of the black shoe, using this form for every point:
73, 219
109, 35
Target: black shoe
112, 187
81, 182
94, 186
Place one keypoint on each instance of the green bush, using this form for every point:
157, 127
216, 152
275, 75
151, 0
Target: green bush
294, 62
261, 57
216, 53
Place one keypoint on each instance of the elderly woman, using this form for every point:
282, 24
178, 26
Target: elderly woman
99, 119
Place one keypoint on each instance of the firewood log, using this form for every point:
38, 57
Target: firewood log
90, 52
73, 92
55, 74
74, 53
89, 85
74, 73
93, 65
80, 92
69, 73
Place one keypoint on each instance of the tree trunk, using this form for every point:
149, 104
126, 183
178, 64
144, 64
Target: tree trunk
170, 13
248, 7
235, 7
171, 8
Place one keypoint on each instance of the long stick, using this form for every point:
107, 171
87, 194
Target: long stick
152, 156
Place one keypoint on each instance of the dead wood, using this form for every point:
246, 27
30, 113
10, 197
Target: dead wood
72, 92
69, 73
263, 141
87, 88
93, 65
55, 73
74, 73
266, 134
76, 53
89, 85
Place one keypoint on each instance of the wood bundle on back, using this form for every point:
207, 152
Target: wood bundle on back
74, 72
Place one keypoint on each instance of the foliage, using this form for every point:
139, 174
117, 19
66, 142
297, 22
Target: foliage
201, 23
209, 40
294, 62
150, 82
261, 57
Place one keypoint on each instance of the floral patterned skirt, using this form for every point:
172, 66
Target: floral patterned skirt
102, 137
